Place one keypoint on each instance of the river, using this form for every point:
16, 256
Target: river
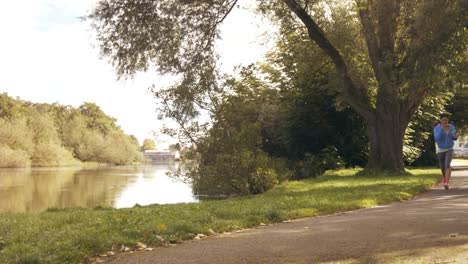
37, 189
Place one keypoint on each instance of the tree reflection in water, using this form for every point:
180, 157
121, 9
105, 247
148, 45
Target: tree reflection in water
35, 190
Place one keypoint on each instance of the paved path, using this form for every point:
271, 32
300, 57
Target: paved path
431, 228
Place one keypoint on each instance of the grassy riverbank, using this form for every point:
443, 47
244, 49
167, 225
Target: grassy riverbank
72, 235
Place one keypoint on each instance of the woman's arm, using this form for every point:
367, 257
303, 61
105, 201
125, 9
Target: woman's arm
453, 132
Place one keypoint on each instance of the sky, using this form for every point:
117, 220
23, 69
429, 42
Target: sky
48, 55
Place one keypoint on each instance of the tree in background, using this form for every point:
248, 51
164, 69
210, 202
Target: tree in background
96, 119
175, 147
134, 140
459, 110
230, 158
306, 115
148, 144
16, 143
390, 57
56, 135
9, 107
48, 150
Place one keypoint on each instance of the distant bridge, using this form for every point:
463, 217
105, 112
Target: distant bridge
161, 156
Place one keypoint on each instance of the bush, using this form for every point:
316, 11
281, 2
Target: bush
227, 175
240, 173
51, 155
120, 150
16, 143
315, 165
16, 135
10, 158
48, 150
114, 148
262, 180
91, 147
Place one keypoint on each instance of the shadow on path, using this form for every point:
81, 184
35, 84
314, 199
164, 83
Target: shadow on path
431, 228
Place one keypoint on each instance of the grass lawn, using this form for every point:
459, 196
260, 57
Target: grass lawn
73, 235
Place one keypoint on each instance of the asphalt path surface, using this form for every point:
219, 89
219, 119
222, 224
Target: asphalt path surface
430, 228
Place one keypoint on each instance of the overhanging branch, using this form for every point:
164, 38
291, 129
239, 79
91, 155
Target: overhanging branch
355, 95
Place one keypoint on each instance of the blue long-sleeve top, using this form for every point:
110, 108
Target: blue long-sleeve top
444, 139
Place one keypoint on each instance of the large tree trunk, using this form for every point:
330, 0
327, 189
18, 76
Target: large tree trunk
386, 144
387, 127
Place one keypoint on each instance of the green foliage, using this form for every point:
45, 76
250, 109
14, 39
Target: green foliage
133, 140
16, 134
459, 110
263, 179
96, 119
124, 153
91, 146
315, 165
10, 108
94, 136
148, 144
175, 147
175, 34
16, 143
307, 114
11, 158
418, 137
72, 235
385, 58
300, 118
290, 117
232, 162
114, 148
48, 150
54, 135
277, 111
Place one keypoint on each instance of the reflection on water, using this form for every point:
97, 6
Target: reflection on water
35, 190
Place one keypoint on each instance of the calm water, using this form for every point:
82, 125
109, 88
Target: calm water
35, 190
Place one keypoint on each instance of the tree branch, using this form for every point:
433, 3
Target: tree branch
370, 36
387, 13
416, 94
228, 12
355, 96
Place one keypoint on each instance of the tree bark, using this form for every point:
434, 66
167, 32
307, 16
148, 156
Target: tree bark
386, 144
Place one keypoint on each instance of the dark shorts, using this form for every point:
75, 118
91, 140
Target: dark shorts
445, 158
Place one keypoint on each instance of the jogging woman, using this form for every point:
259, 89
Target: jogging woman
444, 135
